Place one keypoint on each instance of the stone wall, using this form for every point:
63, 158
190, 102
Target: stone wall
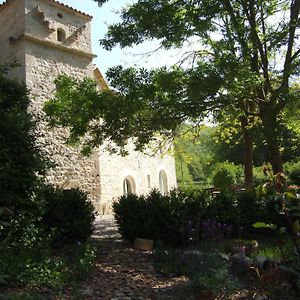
44, 62
141, 168
44, 18
12, 20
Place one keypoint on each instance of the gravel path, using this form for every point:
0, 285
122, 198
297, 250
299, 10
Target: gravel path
126, 274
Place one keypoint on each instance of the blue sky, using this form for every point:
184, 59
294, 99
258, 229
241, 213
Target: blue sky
135, 56
107, 14
102, 16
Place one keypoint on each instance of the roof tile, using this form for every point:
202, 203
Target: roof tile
64, 5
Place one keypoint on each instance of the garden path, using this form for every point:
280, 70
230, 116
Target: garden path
124, 273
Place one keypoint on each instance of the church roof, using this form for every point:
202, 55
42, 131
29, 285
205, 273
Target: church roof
56, 2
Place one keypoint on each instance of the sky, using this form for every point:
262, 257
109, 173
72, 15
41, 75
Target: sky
135, 56
107, 14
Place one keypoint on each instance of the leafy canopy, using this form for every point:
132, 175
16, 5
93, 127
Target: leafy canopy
144, 103
244, 57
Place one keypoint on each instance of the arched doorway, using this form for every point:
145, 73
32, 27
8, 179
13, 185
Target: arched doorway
163, 182
129, 186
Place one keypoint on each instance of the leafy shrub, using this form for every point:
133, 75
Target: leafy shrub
242, 209
223, 208
259, 177
253, 207
208, 270
159, 217
182, 218
57, 271
68, 214
30, 259
293, 170
25, 242
20, 157
226, 175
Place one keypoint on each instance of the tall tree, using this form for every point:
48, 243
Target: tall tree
247, 53
259, 37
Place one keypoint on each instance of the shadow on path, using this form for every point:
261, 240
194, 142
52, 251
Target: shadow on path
124, 273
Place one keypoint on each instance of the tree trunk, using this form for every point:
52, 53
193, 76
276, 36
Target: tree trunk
269, 122
248, 153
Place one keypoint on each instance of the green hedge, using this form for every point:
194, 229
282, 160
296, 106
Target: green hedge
68, 214
176, 219
165, 218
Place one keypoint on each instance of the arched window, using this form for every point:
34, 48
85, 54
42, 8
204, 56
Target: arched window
163, 182
148, 181
129, 186
61, 35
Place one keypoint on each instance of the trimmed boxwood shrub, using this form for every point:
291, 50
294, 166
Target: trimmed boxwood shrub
176, 219
68, 214
165, 218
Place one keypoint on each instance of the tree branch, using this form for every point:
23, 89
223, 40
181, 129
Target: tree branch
295, 7
257, 43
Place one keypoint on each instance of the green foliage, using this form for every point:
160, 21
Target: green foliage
253, 207
242, 43
20, 158
181, 214
293, 171
208, 270
226, 176
30, 259
68, 214
164, 106
194, 155
26, 233
242, 209
3, 264
289, 208
158, 217
223, 208
25, 242
22, 296
263, 225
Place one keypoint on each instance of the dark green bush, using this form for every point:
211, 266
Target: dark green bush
20, 157
176, 219
252, 208
68, 214
25, 243
223, 208
208, 270
243, 209
158, 217
29, 258
30, 219
293, 171
226, 175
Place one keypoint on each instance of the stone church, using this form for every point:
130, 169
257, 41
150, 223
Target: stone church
49, 38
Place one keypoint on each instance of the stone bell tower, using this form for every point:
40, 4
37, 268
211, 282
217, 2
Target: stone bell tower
48, 38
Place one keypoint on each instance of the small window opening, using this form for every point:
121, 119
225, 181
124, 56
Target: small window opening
163, 183
149, 181
60, 15
61, 35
